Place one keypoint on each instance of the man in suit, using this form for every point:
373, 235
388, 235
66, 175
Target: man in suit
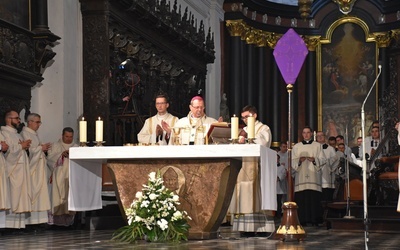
356, 150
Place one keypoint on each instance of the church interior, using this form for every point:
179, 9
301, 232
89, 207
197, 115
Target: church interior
70, 61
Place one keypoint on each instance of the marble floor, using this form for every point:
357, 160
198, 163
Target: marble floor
317, 238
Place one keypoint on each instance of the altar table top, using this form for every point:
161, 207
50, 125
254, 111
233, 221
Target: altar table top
85, 170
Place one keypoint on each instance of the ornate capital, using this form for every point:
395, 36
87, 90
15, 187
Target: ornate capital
272, 39
312, 42
382, 39
251, 36
236, 27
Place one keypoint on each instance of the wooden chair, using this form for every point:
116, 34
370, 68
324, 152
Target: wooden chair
387, 180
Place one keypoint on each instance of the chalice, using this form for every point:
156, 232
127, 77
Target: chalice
177, 132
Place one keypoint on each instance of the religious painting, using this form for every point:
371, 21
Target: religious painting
348, 68
16, 12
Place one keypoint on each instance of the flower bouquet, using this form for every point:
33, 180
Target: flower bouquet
154, 216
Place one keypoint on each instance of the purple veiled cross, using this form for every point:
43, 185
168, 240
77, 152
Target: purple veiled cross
290, 53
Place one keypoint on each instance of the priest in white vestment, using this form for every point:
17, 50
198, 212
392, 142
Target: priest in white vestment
58, 162
17, 163
157, 129
192, 129
248, 217
4, 184
329, 168
39, 171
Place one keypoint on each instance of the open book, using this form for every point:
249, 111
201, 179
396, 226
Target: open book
220, 133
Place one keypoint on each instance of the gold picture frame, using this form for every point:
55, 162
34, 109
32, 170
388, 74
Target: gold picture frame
347, 67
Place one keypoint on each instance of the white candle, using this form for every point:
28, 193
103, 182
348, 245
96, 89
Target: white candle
234, 127
83, 130
251, 122
315, 136
99, 130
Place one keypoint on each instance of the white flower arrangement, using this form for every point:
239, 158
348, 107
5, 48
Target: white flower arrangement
154, 215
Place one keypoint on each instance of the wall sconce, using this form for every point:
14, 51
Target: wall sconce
345, 6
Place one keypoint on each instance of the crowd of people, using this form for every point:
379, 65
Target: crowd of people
35, 183
34, 175
316, 169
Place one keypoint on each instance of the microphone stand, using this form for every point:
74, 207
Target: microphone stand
348, 214
364, 161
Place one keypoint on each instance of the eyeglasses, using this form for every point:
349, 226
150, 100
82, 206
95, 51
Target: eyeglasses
197, 107
15, 118
245, 117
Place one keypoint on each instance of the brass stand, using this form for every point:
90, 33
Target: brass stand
234, 141
251, 140
98, 143
82, 144
290, 227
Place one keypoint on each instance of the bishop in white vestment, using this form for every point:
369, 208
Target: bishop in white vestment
192, 129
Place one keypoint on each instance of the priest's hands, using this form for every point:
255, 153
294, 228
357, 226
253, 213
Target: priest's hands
65, 153
4, 146
242, 137
25, 144
159, 130
166, 127
46, 147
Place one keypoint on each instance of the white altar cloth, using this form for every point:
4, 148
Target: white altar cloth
85, 167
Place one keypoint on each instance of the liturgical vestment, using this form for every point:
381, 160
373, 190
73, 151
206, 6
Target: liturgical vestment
39, 173
246, 200
4, 189
147, 134
60, 183
192, 130
17, 163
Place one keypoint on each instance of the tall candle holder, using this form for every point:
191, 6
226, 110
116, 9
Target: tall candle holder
82, 144
98, 143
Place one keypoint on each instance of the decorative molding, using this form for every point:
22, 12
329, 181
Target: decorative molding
312, 42
382, 39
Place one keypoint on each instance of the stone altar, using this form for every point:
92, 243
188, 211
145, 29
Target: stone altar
205, 176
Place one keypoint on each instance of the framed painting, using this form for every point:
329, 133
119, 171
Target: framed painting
347, 69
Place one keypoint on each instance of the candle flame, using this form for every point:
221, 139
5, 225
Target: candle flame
99, 118
83, 118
